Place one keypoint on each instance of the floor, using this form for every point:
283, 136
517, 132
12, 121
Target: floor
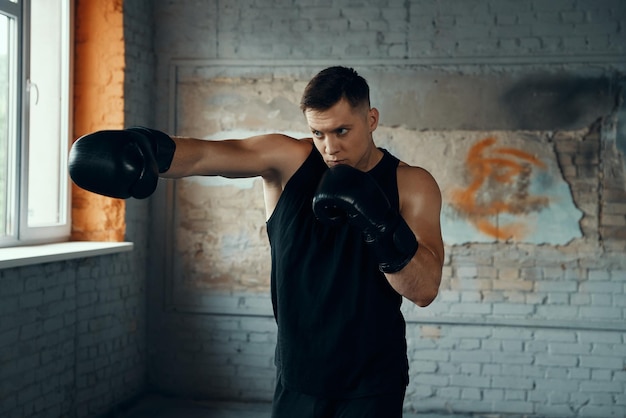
160, 407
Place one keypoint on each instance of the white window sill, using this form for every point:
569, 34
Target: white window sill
46, 253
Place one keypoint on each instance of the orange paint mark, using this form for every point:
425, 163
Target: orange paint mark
98, 104
499, 181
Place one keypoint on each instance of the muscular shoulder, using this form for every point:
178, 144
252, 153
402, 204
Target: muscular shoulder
286, 154
417, 187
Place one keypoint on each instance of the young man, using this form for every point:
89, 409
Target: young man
352, 229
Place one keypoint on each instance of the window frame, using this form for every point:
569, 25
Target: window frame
19, 232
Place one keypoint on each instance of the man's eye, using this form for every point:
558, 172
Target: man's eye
342, 131
317, 134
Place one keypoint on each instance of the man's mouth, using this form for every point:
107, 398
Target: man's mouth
331, 163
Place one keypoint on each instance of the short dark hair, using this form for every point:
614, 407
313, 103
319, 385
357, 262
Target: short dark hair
331, 85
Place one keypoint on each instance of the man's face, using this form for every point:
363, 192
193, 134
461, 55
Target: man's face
343, 135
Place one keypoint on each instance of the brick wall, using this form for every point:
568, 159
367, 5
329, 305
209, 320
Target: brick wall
96, 105
329, 29
72, 337
530, 33
517, 328
73, 333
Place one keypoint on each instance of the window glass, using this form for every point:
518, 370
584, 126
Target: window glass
47, 131
8, 105
34, 121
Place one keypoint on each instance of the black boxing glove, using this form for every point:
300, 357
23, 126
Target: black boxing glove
121, 163
346, 194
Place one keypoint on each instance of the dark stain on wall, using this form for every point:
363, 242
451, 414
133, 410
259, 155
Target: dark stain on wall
559, 101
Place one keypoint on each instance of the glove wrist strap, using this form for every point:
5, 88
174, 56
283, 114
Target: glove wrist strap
162, 145
397, 248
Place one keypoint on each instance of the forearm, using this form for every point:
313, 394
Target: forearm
419, 280
199, 157
187, 158
233, 158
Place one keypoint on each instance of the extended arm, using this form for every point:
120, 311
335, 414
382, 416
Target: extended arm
127, 163
267, 156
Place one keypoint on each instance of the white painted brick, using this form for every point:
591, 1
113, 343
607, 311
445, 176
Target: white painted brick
600, 375
533, 371
448, 296
535, 346
564, 385
601, 287
515, 395
556, 371
553, 410
515, 407
580, 299
556, 360
513, 309
512, 358
419, 366
471, 394
513, 370
599, 275
492, 345
492, 369
512, 382
471, 368
466, 381
471, 296
467, 271
580, 373
471, 309
568, 348
609, 350
435, 380
600, 337
615, 363
606, 313
512, 346
557, 312
556, 286
493, 394
506, 333
602, 387
420, 391
558, 298
433, 355
575, 274
538, 397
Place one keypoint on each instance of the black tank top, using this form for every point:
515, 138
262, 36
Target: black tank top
340, 330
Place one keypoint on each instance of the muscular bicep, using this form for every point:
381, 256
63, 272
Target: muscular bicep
265, 155
420, 206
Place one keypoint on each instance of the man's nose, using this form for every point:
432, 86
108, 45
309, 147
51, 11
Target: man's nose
332, 145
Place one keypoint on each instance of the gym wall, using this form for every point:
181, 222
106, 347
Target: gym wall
530, 325
530, 317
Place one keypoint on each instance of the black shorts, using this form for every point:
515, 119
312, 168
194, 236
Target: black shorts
290, 404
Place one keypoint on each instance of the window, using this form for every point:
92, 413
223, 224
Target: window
34, 121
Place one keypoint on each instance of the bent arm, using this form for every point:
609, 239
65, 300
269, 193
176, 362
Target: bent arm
420, 206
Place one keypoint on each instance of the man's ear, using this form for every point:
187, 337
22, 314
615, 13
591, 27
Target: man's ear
372, 118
